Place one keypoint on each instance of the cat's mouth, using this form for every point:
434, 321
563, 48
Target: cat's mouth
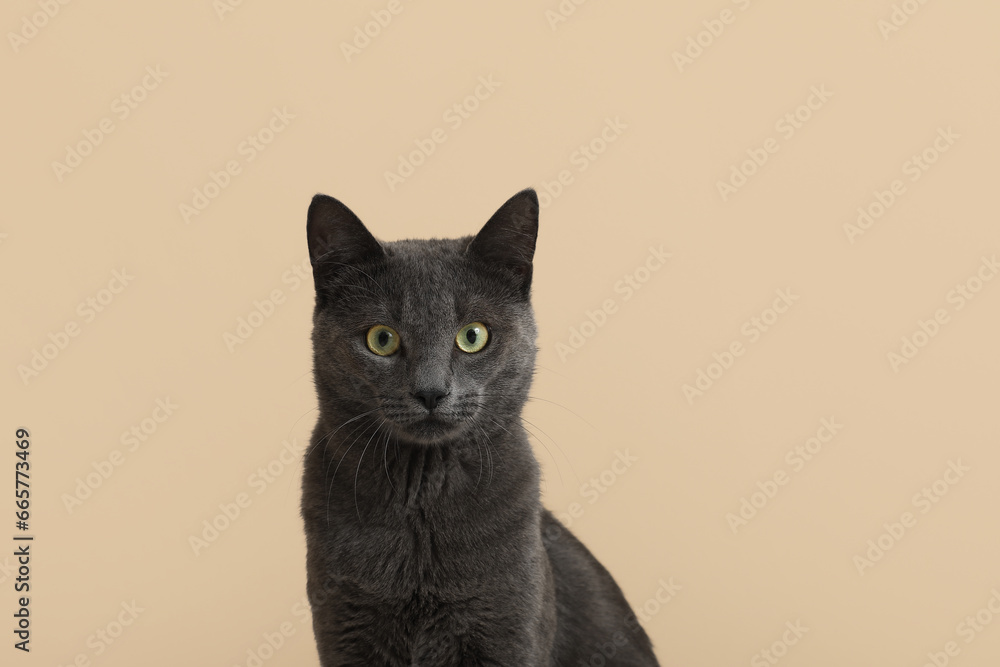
430, 429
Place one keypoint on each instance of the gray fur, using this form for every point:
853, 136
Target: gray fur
426, 540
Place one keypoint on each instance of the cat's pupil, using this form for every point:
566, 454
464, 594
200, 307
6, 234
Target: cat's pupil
383, 338
470, 335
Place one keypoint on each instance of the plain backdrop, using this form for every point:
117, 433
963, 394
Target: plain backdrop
767, 389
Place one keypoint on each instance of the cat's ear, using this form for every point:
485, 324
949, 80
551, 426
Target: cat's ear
337, 238
508, 238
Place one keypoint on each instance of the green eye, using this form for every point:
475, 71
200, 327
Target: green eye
472, 337
382, 340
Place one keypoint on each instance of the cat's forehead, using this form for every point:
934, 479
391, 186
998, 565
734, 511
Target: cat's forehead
436, 265
429, 259
431, 277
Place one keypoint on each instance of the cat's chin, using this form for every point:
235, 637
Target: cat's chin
431, 430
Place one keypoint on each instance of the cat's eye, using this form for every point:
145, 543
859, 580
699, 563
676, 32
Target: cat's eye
382, 340
472, 337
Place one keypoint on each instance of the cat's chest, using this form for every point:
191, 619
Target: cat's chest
427, 525
414, 549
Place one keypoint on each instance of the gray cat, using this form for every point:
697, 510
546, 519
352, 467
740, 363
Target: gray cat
427, 543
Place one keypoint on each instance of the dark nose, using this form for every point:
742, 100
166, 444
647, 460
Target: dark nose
430, 397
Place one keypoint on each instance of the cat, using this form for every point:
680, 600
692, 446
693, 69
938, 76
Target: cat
427, 544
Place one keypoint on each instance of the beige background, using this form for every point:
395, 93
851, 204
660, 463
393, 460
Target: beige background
665, 517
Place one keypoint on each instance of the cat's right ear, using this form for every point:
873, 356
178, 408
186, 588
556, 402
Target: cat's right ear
337, 238
507, 239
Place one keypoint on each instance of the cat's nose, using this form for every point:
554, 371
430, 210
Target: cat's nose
430, 397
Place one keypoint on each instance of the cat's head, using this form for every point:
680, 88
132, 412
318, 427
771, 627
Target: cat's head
436, 338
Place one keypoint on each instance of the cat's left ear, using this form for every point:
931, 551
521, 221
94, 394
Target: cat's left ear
508, 238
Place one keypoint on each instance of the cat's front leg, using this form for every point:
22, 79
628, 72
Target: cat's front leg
355, 643
475, 659
356, 655
501, 650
